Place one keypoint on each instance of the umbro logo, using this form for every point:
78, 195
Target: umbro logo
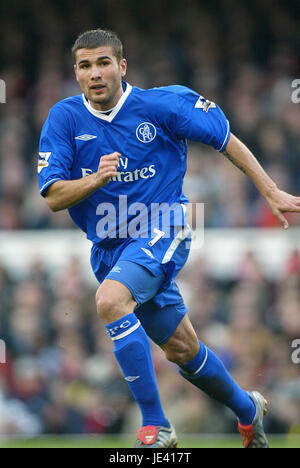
116, 269
147, 252
132, 378
85, 137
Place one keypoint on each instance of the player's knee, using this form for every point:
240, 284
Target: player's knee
111, 307
106, 305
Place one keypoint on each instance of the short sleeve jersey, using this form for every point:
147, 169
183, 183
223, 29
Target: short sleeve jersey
149, 128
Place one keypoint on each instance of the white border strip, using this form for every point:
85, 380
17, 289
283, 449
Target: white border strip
115, 110
127, 332
203, 363
222, 147
47, 184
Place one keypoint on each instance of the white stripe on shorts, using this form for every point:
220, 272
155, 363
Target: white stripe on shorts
181, 236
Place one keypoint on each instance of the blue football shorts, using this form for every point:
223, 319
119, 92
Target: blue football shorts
149, 273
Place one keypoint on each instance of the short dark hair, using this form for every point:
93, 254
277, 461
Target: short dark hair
97, 38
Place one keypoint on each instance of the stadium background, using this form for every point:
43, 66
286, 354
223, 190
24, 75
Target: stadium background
60, 376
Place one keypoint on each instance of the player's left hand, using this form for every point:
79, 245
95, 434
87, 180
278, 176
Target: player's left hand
282, 202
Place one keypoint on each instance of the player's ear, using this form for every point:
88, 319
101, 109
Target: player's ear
123, 66
75, 71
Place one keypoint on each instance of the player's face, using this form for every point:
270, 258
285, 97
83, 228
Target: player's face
99, 75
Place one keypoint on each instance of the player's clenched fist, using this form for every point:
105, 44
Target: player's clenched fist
107, 168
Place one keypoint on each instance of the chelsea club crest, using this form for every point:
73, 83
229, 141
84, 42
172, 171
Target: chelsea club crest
146, 132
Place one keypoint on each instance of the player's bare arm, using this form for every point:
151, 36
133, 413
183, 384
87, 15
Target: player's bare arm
278, 200
64, 194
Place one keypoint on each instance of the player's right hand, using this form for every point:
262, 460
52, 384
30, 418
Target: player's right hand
282, 202
107, 168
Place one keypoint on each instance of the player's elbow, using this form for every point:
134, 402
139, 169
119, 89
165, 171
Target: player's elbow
56, 208
53, 205
52, 200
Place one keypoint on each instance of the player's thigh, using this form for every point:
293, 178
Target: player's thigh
114, 300
138, 279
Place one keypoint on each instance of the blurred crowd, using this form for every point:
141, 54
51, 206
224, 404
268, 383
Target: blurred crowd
61, 376
243, 55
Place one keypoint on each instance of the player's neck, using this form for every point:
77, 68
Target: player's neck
109, 106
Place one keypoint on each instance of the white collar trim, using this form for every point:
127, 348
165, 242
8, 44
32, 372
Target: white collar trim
114, 111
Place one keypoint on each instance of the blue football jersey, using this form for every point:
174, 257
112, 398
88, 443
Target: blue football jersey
149, 128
